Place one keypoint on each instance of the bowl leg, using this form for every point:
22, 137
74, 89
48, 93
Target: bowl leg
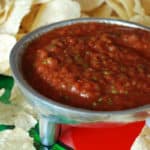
49, 131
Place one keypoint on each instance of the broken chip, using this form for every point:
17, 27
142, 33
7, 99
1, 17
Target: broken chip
88, 5
16, 139
6, 44
56, 10
142, 142
19, 10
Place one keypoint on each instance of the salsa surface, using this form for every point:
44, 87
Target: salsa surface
91, 65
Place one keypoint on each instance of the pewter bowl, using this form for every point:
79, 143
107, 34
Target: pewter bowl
59, 113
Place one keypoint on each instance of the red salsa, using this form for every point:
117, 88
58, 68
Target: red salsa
91, 65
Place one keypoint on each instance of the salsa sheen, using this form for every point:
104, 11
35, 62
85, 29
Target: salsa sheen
91, 65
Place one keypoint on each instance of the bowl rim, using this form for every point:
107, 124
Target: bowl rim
49, 102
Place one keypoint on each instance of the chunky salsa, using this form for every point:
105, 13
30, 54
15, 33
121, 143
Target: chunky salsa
94, 66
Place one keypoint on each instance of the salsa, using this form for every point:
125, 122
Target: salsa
93, 66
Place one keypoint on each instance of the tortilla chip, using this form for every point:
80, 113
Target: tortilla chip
88, 5
25, 121
6, 44
28, 20
5, 6
55, 11
146, 6
84, 15
128, 6
142, 142
20, 101
40, 1
117, 8
138, 8
19, 10
103, 11
20, 36
16, 139
14, 115
141, 19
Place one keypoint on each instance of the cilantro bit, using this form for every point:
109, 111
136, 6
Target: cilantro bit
113, 90
126, 92
66, 97
99, 100
78, 59
123, 68
106, 72
94, 78
85, 65
109, 101
47, 61
140, 68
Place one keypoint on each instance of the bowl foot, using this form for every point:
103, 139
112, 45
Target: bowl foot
49, 131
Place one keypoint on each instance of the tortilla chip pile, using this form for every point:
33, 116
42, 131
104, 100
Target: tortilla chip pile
19, 17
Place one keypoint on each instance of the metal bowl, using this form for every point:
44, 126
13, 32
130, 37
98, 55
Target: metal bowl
60, 113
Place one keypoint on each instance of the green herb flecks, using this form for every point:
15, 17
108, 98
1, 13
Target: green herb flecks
126, 92
100, 100
44, 62
105, 72
140, 68
109, 101
123, 68
85, 65
66, 97
47, 61
114, 90
78, 59
94, 78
